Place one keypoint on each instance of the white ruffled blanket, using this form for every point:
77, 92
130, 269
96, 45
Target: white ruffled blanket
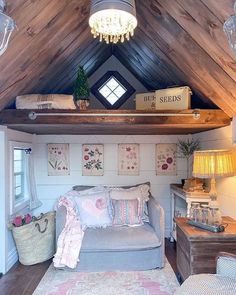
70, 239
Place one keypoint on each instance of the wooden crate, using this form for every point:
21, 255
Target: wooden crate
177, 98
145, 101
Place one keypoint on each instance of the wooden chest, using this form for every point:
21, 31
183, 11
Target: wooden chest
197, 249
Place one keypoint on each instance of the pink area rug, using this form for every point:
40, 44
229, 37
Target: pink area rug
151, 282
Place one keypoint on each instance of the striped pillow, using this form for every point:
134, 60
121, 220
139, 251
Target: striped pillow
127, 212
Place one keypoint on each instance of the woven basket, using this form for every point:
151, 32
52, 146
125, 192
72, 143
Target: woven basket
35, 242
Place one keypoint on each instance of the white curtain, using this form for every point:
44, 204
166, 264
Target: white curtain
34, 201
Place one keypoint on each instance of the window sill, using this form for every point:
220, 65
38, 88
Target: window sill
20, 207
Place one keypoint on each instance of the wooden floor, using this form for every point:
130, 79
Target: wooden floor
23, 280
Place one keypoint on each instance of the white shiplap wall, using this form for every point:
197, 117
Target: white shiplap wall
226, 187
51, 187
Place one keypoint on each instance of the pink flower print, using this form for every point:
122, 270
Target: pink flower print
28, 218
100, 204
169, 160
86, 149
17, 221
86, 157
128, 149
164, 167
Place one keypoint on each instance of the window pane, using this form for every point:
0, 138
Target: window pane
105, 91
112, 83
18, 154
112, 98
17, 166
18, 191
18, 180
119, 91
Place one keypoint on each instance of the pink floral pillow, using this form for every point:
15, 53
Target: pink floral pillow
95, 210
127, 212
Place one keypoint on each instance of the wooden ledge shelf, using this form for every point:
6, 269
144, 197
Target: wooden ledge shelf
113, 122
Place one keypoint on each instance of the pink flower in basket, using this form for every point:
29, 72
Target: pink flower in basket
28, 218
18, 221
21, 220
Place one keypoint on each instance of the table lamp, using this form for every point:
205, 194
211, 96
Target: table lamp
214, 164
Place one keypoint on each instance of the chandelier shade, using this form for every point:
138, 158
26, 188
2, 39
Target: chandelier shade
230, 30
7, 25
113, 20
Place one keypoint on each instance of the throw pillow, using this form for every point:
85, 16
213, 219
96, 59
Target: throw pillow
141, 192
95, 210
90, 190
127, 212
137, 192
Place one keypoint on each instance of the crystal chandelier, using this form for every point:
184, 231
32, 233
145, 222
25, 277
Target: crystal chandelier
230, 30
7, 25
113, 20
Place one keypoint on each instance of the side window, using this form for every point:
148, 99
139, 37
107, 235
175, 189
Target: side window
19, 159
19, 194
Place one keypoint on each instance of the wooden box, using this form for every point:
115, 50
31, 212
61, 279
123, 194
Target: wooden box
145, 101
177, 98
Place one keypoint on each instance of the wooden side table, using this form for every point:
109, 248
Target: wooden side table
197, 249
185, 199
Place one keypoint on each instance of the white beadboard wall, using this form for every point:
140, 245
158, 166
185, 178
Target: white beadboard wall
226, 187
51, 187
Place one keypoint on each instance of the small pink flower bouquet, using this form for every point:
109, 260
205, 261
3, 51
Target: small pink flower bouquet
22, 220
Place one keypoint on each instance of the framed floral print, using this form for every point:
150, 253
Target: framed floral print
128, 159
166, 159
93, 159
58, 159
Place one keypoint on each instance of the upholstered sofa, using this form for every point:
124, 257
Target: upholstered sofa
122, 248
221, 283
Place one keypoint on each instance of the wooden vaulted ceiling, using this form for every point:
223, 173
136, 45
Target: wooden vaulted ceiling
177, 42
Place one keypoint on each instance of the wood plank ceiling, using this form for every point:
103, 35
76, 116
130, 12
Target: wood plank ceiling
177, 42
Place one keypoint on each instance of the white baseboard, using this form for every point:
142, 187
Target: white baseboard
12, 258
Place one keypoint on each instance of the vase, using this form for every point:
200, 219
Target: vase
83, 104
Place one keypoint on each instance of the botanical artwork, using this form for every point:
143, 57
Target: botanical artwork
166, 159
128, 159
58, 159
93, 163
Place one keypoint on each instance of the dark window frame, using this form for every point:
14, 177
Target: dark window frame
95, 90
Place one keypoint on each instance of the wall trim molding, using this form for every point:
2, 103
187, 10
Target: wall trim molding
12, 258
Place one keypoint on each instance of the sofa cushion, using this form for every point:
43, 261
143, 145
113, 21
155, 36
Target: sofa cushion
95, 210
127, 212
120, 238
140, 192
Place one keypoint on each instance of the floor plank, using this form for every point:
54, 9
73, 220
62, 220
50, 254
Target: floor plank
23, 280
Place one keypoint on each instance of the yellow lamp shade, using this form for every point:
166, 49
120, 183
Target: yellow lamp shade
214, 163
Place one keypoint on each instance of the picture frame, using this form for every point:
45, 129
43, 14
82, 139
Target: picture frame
58, 159
166, 159
128, 159
93, 159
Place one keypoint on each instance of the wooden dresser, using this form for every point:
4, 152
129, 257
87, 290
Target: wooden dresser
197, 249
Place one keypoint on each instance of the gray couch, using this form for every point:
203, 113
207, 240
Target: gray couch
122, 248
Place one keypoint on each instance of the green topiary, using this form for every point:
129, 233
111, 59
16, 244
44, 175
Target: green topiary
186, 150
81, 90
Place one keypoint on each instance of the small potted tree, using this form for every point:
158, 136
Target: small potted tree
81, 90
186, 148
